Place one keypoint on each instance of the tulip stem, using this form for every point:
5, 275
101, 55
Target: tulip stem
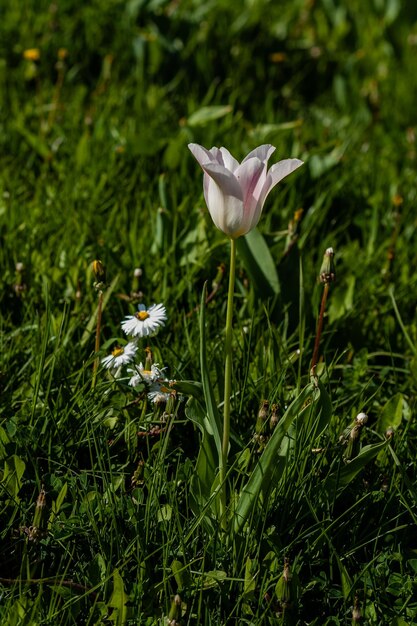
227, 383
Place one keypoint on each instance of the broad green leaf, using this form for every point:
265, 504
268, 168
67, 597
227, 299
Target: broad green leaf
392, 413
259, 263
165, 513
4, 440
208, 114
13, 472
214, 577
250, 580
342, 478
181, 574
118, 600
60, 499
262, 131
268, 467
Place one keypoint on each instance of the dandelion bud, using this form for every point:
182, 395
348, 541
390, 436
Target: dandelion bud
389, 433
274, 417
219, 276
356, 611
40, 518
32, 54
262, 416
327, 270
283, 587
384, 484
175, 611
99, 271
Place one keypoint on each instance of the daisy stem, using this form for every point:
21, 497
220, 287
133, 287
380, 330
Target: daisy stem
227, 383
97, 344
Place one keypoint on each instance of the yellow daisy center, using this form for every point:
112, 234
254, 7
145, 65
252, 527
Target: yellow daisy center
117, 352
142, 315
147, 372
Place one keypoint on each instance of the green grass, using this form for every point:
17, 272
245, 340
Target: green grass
95, 165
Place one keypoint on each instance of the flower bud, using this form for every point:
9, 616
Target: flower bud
356, 611
175, 611
99, 271
32, 54
274, 417
327, 270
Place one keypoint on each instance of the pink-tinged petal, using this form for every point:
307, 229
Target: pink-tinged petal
201, 154
226, 210
277, 172
229, 161
251, 175
224, 179
224, 198
262, 153
217, 155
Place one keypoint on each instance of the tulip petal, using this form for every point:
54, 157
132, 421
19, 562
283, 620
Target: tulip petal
251, 175
262, 153
201, 154
229, 161
224, 179
277, 172
224, 199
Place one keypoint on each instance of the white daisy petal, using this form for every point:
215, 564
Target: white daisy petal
141, 375
120, 356
161, 392
146, 322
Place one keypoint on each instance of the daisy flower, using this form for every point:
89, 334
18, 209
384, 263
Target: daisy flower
120, 356
142, 375
146, 322
161, 392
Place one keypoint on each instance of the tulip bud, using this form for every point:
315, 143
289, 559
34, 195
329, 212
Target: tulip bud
327, 270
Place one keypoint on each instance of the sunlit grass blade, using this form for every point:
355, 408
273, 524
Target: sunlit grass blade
211, 405
342, 478
267, 467
259, 263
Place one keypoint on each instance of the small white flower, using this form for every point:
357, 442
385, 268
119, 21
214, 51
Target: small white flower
120, 356
141, 375
146, 322
161, 392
